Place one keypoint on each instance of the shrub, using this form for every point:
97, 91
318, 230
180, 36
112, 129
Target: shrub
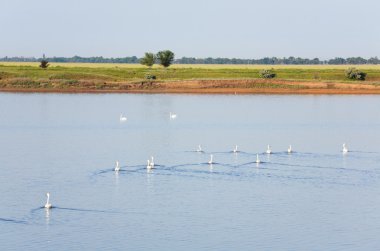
44, 64
267, 73
150, 76
355, 74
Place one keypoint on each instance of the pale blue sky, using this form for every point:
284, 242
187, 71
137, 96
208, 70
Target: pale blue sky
197, 28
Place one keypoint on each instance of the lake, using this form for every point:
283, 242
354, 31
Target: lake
316, 198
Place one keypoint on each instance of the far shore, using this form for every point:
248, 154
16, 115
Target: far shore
205, 79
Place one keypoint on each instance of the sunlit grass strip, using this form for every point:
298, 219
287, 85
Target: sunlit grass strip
72, 72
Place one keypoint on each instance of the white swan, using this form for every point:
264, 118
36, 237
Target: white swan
148, 166
269, 150
257, 159
344, 149
47, 205
172, 115
211, 160
235, 149
123, 118
290, 149
152, 163
117, 166
199, 148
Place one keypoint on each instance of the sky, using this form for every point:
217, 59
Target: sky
196, 28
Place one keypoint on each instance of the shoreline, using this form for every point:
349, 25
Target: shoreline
214, 92
214, 86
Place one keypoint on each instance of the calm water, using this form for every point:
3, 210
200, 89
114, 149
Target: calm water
314, 199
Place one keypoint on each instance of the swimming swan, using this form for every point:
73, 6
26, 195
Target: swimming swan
290, 149
199, 148
345, 149
123, 118
47, 205
148, 166
211, 160
235, 149
172, 115
269, 150
117, 167
152, 163
257, 159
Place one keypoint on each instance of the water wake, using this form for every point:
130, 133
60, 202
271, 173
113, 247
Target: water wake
12, 221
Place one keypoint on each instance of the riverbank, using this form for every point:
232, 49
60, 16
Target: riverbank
242, 86
72, 78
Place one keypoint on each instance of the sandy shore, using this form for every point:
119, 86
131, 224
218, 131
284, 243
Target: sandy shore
238, 86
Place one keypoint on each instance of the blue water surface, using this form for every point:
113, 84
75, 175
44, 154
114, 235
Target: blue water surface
316, 198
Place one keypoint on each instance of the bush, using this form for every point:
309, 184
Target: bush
150, 77
355, 74
44, 64
267, 74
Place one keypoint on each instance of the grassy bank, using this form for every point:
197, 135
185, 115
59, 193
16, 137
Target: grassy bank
71, 76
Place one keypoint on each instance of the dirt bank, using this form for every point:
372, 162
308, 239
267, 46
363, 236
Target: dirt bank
238, 86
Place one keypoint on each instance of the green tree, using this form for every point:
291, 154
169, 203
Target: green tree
148, 60
165, 58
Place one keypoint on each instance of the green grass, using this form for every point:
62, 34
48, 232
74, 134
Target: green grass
29, 74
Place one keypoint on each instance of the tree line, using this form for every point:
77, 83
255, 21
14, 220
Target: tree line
75, 59
278, 61
209, 60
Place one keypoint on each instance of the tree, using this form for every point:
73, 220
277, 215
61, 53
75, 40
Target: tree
165, 58
44, 63
148, 60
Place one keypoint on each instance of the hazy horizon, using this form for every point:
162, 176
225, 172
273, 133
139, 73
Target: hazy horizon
239, 29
